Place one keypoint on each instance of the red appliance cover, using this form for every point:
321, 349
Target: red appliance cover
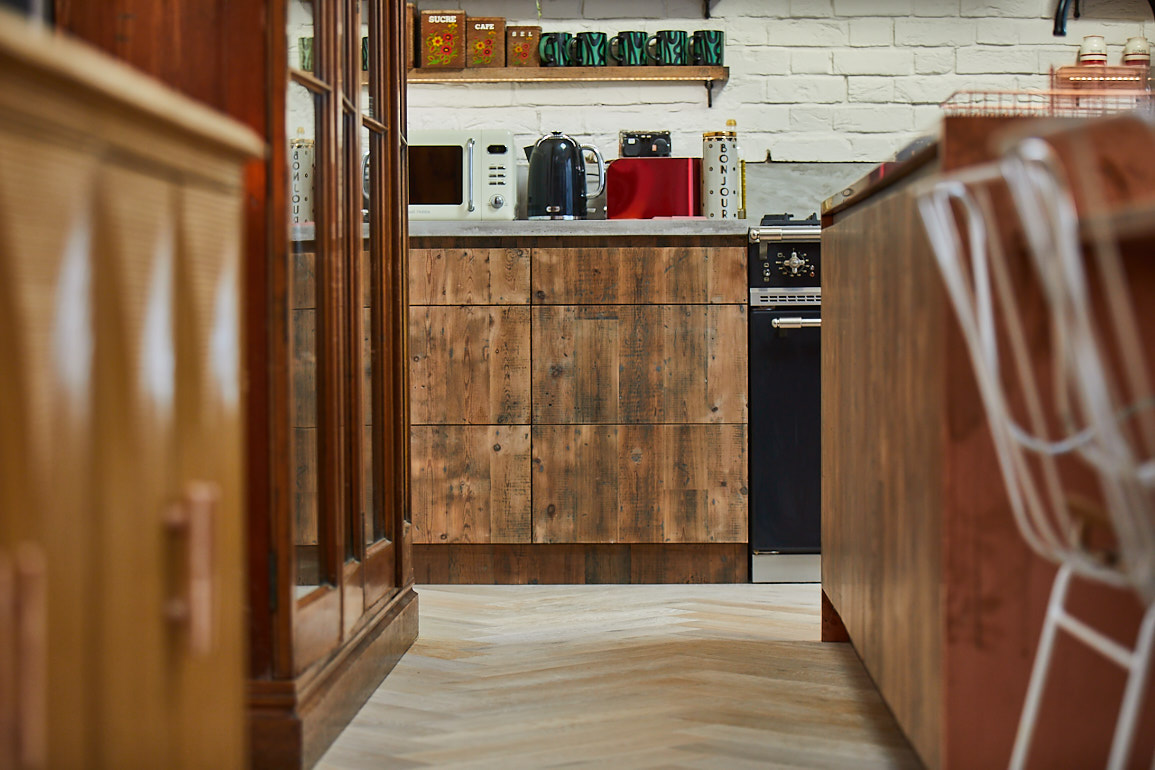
643, 188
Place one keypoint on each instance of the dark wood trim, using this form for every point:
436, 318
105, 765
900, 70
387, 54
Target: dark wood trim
578, 563
293, 722
832, 628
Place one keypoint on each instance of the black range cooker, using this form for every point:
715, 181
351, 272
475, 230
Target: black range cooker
784, 265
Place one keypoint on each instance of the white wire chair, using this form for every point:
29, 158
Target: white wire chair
1098, 408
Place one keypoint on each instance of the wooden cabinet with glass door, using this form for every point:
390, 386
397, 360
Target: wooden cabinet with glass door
342, 609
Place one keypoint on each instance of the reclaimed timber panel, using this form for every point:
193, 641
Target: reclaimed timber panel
303, 367
639, 483
882, 384
580, 563
639, 364
469, 276
625, 275
471, 484
303, 277
469, 365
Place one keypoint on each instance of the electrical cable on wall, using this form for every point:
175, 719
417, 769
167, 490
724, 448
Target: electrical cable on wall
1062, 9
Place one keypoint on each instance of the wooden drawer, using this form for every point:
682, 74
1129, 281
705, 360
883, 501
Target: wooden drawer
607, 276
469, 365
469, 276
639, 484
639, 364
471, 484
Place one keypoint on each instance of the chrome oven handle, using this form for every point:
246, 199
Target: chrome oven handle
796, 323
469, 161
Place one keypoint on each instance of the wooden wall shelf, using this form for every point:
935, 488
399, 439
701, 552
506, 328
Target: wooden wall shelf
708, 76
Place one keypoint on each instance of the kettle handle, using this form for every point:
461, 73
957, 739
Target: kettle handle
601, 169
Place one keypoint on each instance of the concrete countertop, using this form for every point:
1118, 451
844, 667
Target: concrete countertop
579, 228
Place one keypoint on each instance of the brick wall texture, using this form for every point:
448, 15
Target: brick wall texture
810, 80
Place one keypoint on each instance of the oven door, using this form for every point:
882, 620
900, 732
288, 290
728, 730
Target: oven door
444, 176
785, 425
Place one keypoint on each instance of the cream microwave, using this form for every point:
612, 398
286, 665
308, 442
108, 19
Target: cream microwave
462, 175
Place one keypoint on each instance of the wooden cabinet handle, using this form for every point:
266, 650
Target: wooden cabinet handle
191, 523
32, 655
23, 659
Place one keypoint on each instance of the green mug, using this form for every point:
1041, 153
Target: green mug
669, 47
707, 45
628, 48
364, 54
555, 48
589, 49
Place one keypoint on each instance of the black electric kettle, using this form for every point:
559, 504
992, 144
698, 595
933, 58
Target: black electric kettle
556, 186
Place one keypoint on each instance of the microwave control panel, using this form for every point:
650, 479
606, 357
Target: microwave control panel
498, 175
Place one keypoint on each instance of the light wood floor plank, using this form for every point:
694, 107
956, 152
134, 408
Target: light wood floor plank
670, 676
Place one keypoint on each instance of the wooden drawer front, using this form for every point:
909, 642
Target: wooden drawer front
602, 275
639, 484
469, 276
469, 365
639, 364
471, 484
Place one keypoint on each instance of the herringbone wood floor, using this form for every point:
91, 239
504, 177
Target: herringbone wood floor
624, 676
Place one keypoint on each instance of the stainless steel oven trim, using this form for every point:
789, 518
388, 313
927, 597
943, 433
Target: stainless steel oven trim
800, 233
810, 297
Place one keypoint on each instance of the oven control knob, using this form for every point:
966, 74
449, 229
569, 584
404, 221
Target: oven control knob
795, 265
497, 201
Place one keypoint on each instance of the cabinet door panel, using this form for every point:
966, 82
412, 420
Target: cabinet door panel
471, 484
469, 276
639, 484
469, 365
46, 297
639, 364
678, 274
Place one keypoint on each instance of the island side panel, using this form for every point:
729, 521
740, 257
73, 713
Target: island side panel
882, 438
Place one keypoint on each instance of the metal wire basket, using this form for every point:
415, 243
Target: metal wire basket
1079, 102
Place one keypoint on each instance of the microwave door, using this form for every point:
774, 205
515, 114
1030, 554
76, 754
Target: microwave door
443, 181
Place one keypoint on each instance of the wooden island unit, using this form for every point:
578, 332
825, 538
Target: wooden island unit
578, 403
924, 571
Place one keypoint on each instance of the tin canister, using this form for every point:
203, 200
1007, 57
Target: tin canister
721, 179
301, 176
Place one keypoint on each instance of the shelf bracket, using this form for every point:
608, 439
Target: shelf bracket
709, 92
706, 9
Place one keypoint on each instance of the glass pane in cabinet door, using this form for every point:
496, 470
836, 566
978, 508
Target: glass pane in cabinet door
303, 319
299, 31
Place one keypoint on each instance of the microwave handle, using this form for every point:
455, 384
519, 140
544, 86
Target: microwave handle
469, 163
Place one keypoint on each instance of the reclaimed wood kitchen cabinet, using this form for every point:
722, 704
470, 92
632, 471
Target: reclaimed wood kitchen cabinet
122, 623
579, 410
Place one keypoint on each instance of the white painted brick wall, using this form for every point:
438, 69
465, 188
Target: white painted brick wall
810, 80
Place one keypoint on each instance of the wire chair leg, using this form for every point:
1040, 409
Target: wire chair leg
1133, 695
1039, 670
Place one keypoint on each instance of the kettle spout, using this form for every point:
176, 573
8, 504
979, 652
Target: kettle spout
528, 152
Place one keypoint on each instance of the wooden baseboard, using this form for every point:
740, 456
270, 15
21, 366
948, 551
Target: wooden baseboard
292, 725
833, 629
577, 563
